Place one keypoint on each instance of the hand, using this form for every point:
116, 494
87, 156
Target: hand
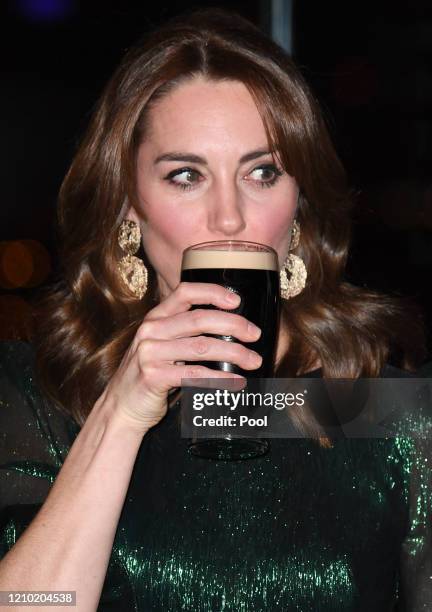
172, 333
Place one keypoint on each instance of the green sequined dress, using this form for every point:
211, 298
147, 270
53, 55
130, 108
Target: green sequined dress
303, 528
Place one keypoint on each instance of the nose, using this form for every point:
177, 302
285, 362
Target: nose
226, 211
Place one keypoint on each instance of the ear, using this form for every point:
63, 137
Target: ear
132, 215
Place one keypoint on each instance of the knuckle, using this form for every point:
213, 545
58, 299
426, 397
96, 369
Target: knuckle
182, 289
148, 374
200, 345
145, 329
146, 371
146, 348
193, 372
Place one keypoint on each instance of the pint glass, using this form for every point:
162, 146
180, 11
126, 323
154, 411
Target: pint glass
251, 270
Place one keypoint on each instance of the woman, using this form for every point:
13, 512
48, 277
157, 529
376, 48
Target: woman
206, 131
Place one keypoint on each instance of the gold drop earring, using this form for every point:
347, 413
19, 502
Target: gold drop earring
294, 265
132, 269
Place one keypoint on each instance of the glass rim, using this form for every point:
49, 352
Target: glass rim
264, 247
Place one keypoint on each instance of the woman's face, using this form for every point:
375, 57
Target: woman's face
204, 173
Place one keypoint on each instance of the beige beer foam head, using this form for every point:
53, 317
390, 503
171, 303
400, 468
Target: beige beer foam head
242, 260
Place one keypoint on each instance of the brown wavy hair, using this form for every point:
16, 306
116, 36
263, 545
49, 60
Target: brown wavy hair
87, 319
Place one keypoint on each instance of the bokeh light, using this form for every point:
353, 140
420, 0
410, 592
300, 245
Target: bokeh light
45, 10
23, 263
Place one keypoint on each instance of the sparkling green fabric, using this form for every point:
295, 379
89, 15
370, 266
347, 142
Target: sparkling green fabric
303, 528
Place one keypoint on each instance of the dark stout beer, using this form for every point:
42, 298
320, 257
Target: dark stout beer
254, 276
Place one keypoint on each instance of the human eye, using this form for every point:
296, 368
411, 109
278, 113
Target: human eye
183, 178
265, 175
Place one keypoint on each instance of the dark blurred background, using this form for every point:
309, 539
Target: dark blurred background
369, 64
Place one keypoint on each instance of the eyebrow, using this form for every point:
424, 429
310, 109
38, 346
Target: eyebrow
196, 159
